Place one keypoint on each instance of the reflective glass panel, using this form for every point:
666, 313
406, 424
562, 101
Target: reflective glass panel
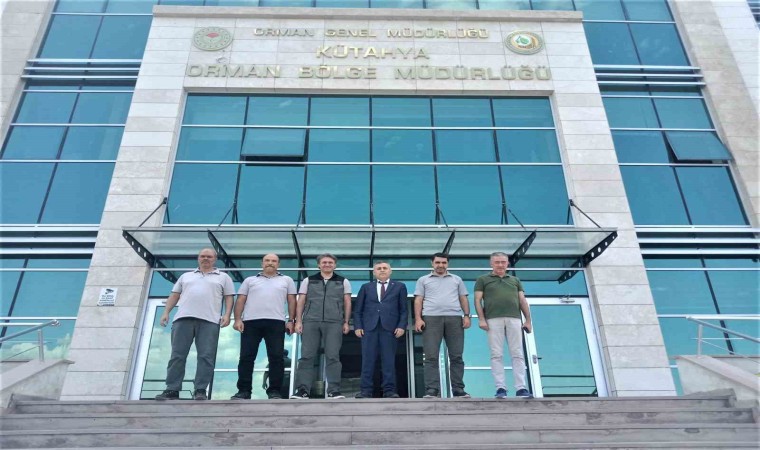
600, 10
338, 145
736, 291
8, 284
416, 4
400, 112
553, 5
523, 112
681, 292
647, 10
102, 108
710, 196
476, 349
34, 295
464, 146
462, 112
33, 142
658, 44
630, 112
528, 146
78, 193
275, 142
696, 145
654, 196
278, 111
210, 144
189, 204
70, 37
610, 43
131, 6
270, 194
43, 107
682, 113
329, 202
215, 110
504, 4
680, 337
470, 195
22, 191
536, 195
402, 145
92, 143
345, 111
451, 4
80, 6
640, 147
122, 37
403, 194
342, 3
302, 3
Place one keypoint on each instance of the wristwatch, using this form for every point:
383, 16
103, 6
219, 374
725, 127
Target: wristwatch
467, 315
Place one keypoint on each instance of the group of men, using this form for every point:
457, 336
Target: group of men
268, 306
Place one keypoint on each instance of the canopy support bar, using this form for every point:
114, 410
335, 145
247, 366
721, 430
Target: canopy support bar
590, 255
222, 254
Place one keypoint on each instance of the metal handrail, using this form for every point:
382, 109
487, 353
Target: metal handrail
702, 323
34, 327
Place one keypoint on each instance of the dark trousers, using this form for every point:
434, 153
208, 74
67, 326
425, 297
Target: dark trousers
383, 342
448, 328
206, 337
311, 338
273, 333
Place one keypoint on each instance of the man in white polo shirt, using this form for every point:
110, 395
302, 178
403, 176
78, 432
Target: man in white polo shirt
260, 314
198, 295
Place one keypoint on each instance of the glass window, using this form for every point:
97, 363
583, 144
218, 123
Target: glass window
470, 195
22, 190
403, 194
78, 193
278, 111
102, 108
210, 144
273, 142
697, 145
640, 147
710, 196
43, 107
270, 194
536, 195
654, 196
131, 6
301, 3
682, 113
122, 37
8, 285
610, 43
70, 37
523, 112
190, 205
402, 145
400, 112
528, 146
34, 295
80, 6
416, 4
647, 9
630, 112
342, 4
462, 112
464, 146
345, 111
92, 143
736, 291
504, 4
338, 145
600, 10
680, 337
215, 110
451, 4
553, 5
33, 143
329, 202
658, 44
681, 292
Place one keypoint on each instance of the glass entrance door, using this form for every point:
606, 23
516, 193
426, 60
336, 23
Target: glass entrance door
562, 353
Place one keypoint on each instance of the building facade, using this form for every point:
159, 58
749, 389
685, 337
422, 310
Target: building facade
610, 146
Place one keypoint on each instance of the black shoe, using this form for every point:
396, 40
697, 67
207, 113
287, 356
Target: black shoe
168, 395
335, 395
390, 394
524, 393
430, 393
200, 394
362, 395
461, 394
241, 395
274, 395
300, 394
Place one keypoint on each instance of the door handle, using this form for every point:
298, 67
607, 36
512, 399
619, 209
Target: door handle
535, 359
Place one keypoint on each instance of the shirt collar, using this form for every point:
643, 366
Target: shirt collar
433, 274
215, 271
263, 275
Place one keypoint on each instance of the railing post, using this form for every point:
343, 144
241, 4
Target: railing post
699, 339
41, 343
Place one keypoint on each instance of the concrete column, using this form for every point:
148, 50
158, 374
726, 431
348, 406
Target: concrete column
722, 39
22, 23
631, 340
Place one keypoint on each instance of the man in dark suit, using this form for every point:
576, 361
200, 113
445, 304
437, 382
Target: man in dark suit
380, 319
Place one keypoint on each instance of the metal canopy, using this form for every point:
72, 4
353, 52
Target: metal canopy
565, 249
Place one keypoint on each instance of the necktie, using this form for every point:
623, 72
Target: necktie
382, 289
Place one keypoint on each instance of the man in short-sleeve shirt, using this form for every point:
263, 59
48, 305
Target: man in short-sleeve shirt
198, 295
499, 300
441, 312
260, 314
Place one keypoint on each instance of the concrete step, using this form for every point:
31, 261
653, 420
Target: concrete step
684, 435
590, 445
320, 406
369, 418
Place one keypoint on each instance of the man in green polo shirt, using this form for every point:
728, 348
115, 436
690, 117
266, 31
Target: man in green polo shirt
499, 299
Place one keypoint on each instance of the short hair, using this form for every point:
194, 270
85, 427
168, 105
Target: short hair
380, 262
499, 254
208, 248
440, 255
326, 255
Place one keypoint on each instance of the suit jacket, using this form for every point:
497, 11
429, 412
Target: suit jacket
390, 312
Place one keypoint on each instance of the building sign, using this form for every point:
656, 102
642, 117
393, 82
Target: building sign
108, 297
524, 42
212, 38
